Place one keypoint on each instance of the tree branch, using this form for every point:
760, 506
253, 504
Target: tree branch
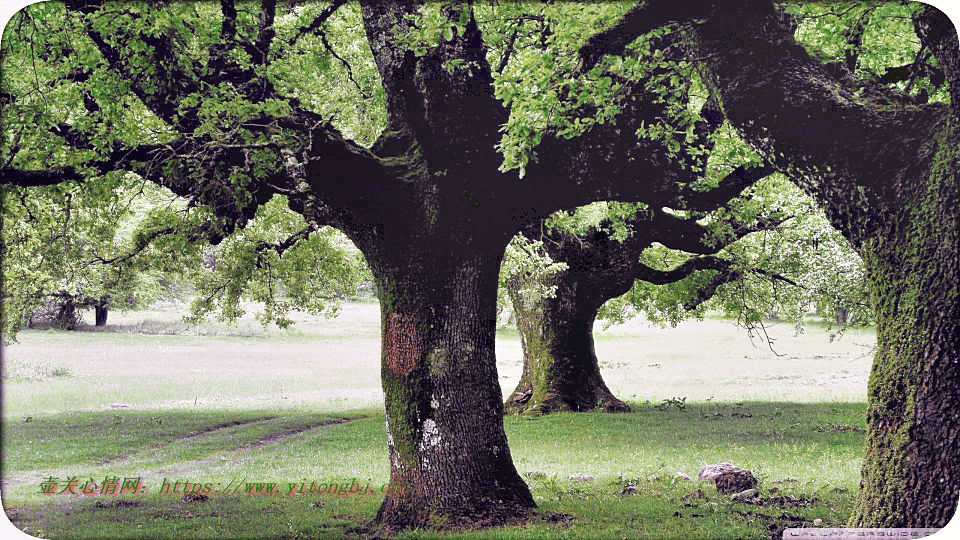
729, 187
640, 20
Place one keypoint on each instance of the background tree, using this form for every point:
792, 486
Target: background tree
779, 258
884, 165
74, 246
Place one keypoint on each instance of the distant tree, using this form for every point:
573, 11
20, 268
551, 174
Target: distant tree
561, 275
280, 263
74, 246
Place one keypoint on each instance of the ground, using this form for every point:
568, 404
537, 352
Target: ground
151, 398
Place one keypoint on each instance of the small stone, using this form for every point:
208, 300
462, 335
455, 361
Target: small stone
629, 490
535, 474
683, 477
745, 495
580, 477
195, 497
818, 522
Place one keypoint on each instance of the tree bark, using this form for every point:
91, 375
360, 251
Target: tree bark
911, 470
100, 314
443, 402
561, 371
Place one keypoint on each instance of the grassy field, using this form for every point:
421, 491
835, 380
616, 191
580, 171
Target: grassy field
153, 399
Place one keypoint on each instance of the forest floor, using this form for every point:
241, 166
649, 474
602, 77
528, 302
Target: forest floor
158, 403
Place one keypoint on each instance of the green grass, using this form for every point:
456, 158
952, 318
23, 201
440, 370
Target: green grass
225, 405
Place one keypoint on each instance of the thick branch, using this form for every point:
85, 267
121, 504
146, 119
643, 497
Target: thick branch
663, 277
940, 35
729, 187
640, 20
21, 178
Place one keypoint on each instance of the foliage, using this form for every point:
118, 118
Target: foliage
527, 271
875, 40
84, 243
281, 262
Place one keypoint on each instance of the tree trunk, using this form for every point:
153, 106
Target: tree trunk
444, 410
841, 317
887, 177
66, 318
560, 367
100, 313
911, 471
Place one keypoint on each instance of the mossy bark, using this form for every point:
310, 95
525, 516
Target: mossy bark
886, 170
444, 413
561, 371
911, 470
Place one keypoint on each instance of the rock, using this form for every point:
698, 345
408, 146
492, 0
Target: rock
579, 477
629, 490
710, 472
735, 482
728, 477
522, 398
195, 497
745, 495
683, 477
535, 474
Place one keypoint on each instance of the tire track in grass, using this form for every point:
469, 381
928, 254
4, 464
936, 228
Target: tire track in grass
286, 434
184, 438
188, 468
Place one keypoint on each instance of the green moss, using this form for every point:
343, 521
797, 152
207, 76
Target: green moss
913, 280
402, 415
439, 362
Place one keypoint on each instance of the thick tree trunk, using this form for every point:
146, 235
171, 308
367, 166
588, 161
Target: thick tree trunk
911, 471
560, 367
447, 445
887, 173
100, 314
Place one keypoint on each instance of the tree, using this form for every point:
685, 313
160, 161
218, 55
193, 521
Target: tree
217, 104
69, 247
556, 307
884, 166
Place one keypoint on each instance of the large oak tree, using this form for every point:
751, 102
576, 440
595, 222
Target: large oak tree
205, 100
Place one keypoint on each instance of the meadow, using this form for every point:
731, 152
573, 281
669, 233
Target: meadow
236, 407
